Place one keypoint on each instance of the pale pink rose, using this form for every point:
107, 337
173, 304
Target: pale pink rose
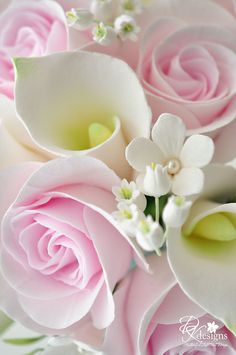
29, 28
184, 58
61, 252
153, 318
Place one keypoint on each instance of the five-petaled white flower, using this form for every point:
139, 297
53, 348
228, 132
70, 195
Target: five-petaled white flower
183, 159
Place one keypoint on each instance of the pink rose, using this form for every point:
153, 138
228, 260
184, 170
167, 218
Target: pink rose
184, 59
161, 320
29, 28
61, 254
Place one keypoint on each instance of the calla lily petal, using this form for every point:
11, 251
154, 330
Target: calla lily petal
208, 278
64, 112
11, 152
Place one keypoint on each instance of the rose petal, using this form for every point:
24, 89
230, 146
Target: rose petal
11, 180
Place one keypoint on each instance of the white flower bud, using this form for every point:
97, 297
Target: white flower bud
103, 34
126, 27
155, 182
176, 211
128, 216
149, 234
103, 10
80, 18
130, 194
131, 6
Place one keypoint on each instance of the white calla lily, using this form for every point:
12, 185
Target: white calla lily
202, 254
74, 91
15, 143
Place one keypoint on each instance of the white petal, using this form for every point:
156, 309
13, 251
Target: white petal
169, 134
188, 181
215, 174
156, 182
74, 90
142, 152
12, 152
197, 151
209, 278
225, 144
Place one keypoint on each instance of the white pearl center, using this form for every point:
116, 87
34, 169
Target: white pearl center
173, 166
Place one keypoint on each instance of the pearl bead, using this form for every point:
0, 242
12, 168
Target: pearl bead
173, 166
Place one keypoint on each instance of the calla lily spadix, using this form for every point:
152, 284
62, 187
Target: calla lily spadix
82, 103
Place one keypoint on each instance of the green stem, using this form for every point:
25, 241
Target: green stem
5, 322
157, 208
158, 252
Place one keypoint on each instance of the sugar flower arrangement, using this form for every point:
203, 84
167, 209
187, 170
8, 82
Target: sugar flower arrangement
117, 176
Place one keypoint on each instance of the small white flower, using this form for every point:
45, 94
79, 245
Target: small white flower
103, 10
183, 160
128, 216
126, 27
103, 34
80, 18
149, 234
155, 181
130, 194
131, 6
176, 211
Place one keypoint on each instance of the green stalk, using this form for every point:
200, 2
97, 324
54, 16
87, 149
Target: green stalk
157, 208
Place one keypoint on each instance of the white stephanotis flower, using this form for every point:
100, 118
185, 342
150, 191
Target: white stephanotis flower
129, 193
176, 211
126, 27
149, 234
183, 159
128, 216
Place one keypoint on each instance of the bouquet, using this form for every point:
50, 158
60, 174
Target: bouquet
117, 176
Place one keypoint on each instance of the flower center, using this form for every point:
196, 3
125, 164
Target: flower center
126, 193
173, 166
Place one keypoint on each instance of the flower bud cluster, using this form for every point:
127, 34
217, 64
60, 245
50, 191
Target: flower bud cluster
108, 20
148, 233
